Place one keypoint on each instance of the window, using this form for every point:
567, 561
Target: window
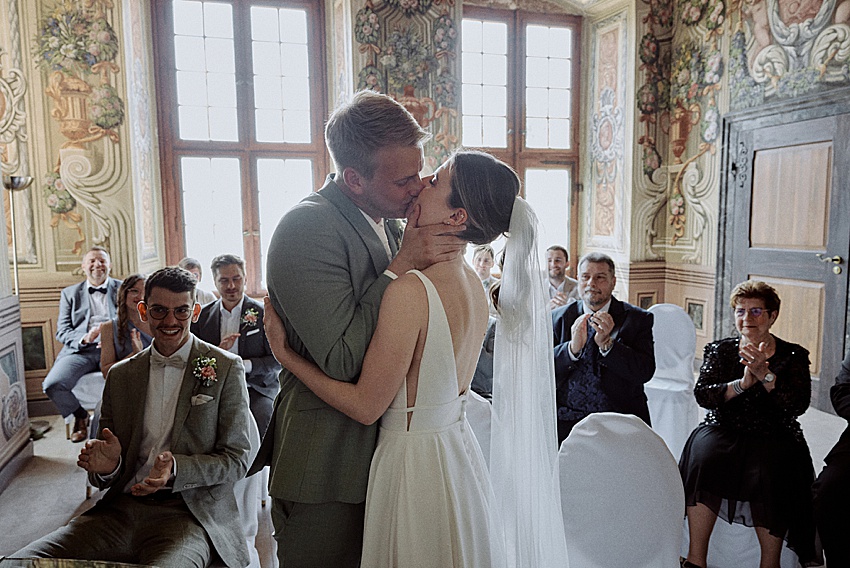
241, 108
520, 85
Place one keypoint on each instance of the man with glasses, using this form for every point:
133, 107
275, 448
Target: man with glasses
604, 351
235, 323
174, 439
82, 308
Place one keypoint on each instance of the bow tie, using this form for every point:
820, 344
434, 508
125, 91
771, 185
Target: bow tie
158, 360
92, 290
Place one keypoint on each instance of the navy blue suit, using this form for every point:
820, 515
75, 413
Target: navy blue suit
623, 371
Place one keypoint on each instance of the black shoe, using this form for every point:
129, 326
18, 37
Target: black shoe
685, 564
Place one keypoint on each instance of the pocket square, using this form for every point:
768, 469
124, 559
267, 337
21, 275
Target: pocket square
200, 399
252, 332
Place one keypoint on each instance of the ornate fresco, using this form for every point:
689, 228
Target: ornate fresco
607, 132
409, 50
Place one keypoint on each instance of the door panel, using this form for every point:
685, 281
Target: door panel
795, 208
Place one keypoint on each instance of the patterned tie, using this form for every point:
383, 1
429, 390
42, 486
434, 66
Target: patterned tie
158, 360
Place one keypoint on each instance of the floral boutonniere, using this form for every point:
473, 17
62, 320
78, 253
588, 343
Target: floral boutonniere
251, 317
203, 368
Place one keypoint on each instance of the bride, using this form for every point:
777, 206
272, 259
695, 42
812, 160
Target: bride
430, 499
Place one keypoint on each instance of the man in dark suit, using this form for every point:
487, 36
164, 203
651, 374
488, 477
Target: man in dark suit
603, 350
832, 488
235, 323
174, 440
329, 265
82, 308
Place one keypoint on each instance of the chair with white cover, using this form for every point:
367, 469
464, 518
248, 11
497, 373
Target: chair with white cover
670, 392
479, 414
88, 390
248, 492
621, 494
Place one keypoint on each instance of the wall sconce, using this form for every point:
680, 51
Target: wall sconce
13, 184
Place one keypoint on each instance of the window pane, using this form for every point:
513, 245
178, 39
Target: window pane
559, 73
296, 93
266, 56
293, 26
277, 197
220, 55
495, 37
536, 72
472, 65
267, 92
559, 133
188, 18
548, 193
495, 132
189, 53
472, 131
296, 125
191, 88
223, 124
495, 101
221, 90
559, 103
218, 20
495, 69
548, 87
193, 123
212, 210
294, 59
269, 125
471, 100
560, 42
536, 41
471, 36
536, 133
536, 102
264, 24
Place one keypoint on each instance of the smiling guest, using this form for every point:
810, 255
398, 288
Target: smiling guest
603, 349
235, 323
174, 440
748, 461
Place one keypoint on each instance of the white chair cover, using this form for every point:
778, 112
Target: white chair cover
736, 546
248, 493
670, 392
479, 414
621, 495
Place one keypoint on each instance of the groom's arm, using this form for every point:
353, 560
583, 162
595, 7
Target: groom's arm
310, 284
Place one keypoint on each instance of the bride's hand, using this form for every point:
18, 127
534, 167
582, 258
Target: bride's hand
275, 332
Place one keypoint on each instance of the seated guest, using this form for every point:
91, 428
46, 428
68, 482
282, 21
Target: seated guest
194, 266
483, 259
82, 308
603, 350
235, 323
562, 288
126, 334
748, 461
173, 443
832, 488
482, 379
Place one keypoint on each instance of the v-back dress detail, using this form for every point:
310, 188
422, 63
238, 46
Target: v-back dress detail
429, 498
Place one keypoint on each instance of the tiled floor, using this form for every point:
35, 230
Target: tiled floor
51, 489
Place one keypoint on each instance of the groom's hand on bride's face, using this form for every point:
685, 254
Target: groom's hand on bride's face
423, 246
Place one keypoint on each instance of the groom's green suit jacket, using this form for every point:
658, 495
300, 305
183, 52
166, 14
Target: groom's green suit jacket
324, 277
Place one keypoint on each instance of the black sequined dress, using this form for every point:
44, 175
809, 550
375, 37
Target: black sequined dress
748, 461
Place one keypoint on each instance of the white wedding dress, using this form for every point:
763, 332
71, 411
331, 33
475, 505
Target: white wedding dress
430, 501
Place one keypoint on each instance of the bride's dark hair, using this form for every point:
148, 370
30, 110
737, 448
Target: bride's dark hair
486, 187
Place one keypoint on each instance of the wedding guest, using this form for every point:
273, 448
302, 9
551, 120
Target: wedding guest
82, 308
174, 440
748, 461
832, 488
194, 266
562, 288
126, 334
483, 259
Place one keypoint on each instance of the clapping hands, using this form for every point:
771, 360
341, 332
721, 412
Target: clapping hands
101, 456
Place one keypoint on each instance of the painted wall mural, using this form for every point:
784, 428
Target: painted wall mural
607, 133
408, 49
76, 47
784, 49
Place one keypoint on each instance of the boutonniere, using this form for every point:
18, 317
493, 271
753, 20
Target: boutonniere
251, 317
203, 368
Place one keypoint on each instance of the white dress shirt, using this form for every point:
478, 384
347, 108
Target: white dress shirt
230, 323
98, 305
381, 231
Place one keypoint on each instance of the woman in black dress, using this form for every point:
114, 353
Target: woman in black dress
748, 461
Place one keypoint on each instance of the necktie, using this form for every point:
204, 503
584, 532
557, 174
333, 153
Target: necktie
159, 360
92, 290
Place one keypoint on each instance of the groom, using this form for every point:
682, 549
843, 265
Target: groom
331, 258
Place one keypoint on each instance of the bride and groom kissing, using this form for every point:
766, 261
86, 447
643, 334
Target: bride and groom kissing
372, 333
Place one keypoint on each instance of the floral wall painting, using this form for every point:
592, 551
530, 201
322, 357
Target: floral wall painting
785, 49
408, 50
76, 47
607, 131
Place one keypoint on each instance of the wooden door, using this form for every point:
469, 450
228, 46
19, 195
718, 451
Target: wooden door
788, 214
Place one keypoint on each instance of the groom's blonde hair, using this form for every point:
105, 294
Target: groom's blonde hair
369, 122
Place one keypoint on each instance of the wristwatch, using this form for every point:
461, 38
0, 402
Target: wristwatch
769, 378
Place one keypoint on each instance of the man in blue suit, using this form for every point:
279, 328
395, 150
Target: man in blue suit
82, 308
604, 351
235, 323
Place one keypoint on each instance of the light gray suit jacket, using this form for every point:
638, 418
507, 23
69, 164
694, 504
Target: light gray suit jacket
210, 441
74, 312
325, 279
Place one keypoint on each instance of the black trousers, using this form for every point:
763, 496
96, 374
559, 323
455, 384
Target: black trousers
831, 493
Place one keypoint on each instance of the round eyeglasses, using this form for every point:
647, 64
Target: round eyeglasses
181, 313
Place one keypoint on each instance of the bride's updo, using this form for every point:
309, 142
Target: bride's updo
486, 187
